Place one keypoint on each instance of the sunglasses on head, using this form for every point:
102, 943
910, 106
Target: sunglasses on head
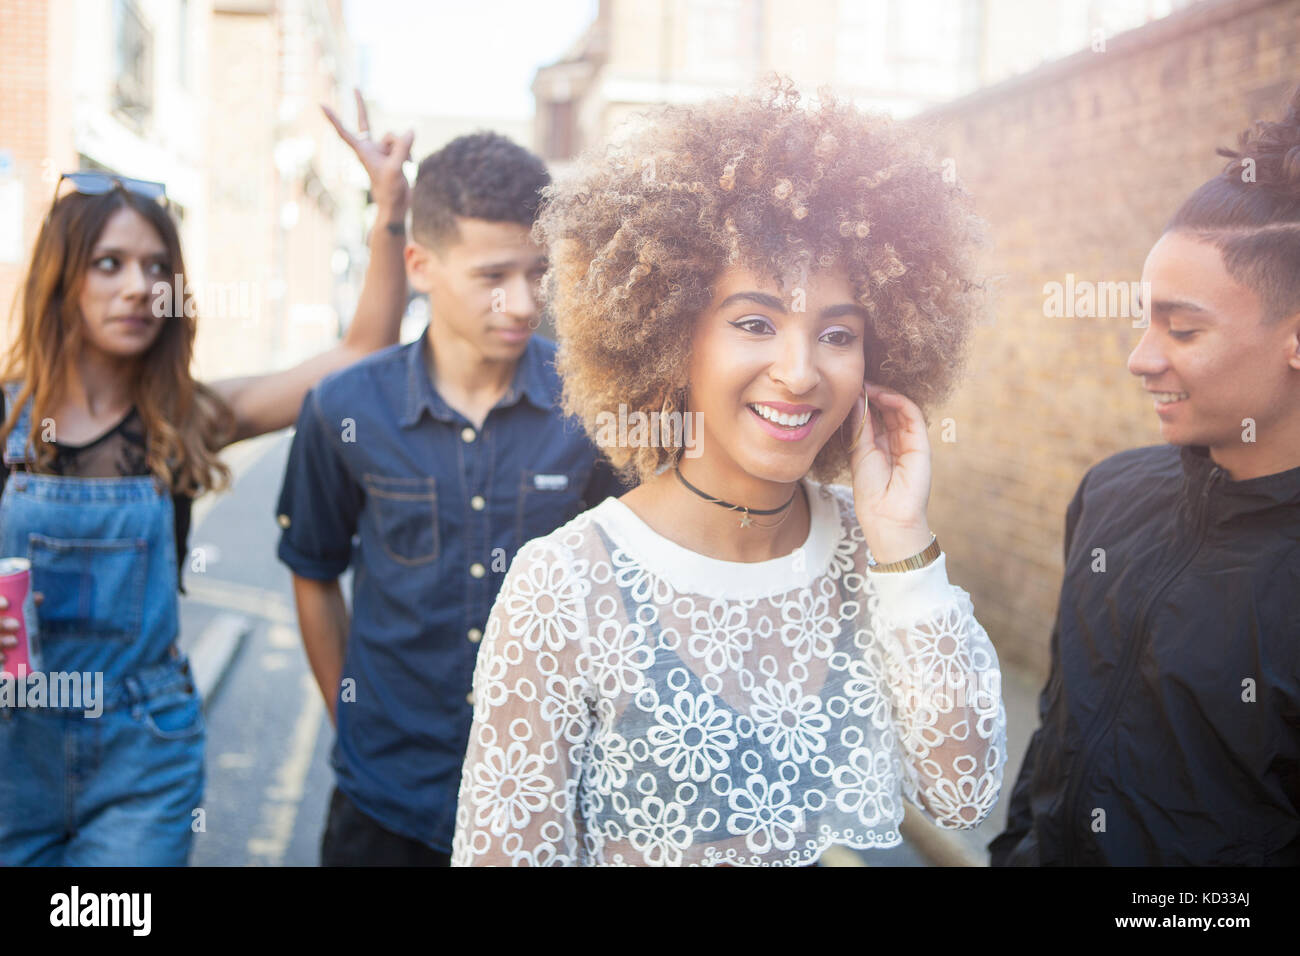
90, 183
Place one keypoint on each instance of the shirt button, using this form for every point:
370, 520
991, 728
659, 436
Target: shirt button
469, 698
477, 570
475, 635
284, 521
477, 503
467, 434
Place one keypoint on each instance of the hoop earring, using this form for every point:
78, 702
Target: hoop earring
862, 425
665, 427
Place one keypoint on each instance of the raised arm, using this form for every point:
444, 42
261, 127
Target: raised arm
265, 403
938, 663
532, 699
945, 688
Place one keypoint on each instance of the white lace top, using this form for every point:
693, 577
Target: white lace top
638, 703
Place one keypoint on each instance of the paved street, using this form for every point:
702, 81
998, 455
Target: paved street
268, 733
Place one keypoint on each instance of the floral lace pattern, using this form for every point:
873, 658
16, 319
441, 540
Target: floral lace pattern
637, 704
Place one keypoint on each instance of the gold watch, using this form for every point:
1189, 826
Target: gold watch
919, 560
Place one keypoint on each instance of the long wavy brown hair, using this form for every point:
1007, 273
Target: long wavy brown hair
186, 423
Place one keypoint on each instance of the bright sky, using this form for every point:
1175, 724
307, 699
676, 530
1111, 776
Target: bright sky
460, 57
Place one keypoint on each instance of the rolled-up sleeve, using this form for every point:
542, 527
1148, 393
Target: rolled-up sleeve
320, 501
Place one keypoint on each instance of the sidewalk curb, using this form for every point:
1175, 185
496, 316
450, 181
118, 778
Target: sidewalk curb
939, 847
214, 651
840, 856
1020, 691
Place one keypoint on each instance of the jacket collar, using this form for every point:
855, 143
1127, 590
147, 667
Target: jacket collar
529, 381
1233, 498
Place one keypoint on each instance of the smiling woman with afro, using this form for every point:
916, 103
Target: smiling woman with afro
740, 662
640, 229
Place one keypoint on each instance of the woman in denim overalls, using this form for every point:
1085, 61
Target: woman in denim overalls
103, 556
122, 787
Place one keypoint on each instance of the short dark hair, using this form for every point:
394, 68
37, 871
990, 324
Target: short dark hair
482, 175
1254, 219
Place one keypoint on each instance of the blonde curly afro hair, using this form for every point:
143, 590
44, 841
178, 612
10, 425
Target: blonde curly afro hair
640, 230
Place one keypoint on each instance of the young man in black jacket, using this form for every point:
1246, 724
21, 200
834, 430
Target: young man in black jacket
1170, 723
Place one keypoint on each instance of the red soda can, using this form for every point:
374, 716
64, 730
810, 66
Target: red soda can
16, 587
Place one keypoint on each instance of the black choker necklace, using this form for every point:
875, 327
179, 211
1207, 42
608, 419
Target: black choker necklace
744, 521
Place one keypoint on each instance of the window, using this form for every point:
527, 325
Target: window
920, 49
862, 47
184, 71
560, 130
132, 96
721, 41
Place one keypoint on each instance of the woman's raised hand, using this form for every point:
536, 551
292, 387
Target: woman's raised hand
382, 158
891, 474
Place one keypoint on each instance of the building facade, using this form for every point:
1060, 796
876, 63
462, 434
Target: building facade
218, 100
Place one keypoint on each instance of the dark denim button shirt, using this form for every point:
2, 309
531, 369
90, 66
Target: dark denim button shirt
379, 455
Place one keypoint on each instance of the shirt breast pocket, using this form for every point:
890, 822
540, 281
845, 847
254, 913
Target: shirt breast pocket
546, 501
91, 588
406, 517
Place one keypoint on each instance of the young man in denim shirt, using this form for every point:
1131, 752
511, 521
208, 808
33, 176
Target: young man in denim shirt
442, 457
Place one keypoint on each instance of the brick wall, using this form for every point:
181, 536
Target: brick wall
1077, 166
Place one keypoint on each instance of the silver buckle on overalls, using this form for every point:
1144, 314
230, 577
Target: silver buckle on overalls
134, 695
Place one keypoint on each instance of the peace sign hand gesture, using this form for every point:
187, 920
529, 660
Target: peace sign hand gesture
382, 159
891, 474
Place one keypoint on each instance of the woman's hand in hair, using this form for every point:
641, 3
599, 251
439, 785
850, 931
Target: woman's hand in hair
382, 158
891, 474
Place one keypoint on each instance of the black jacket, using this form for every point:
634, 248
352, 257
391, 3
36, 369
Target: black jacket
1170, 722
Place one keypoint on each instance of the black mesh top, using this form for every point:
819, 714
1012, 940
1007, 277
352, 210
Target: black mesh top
118, 453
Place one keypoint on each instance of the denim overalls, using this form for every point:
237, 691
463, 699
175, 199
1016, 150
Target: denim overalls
118, 789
